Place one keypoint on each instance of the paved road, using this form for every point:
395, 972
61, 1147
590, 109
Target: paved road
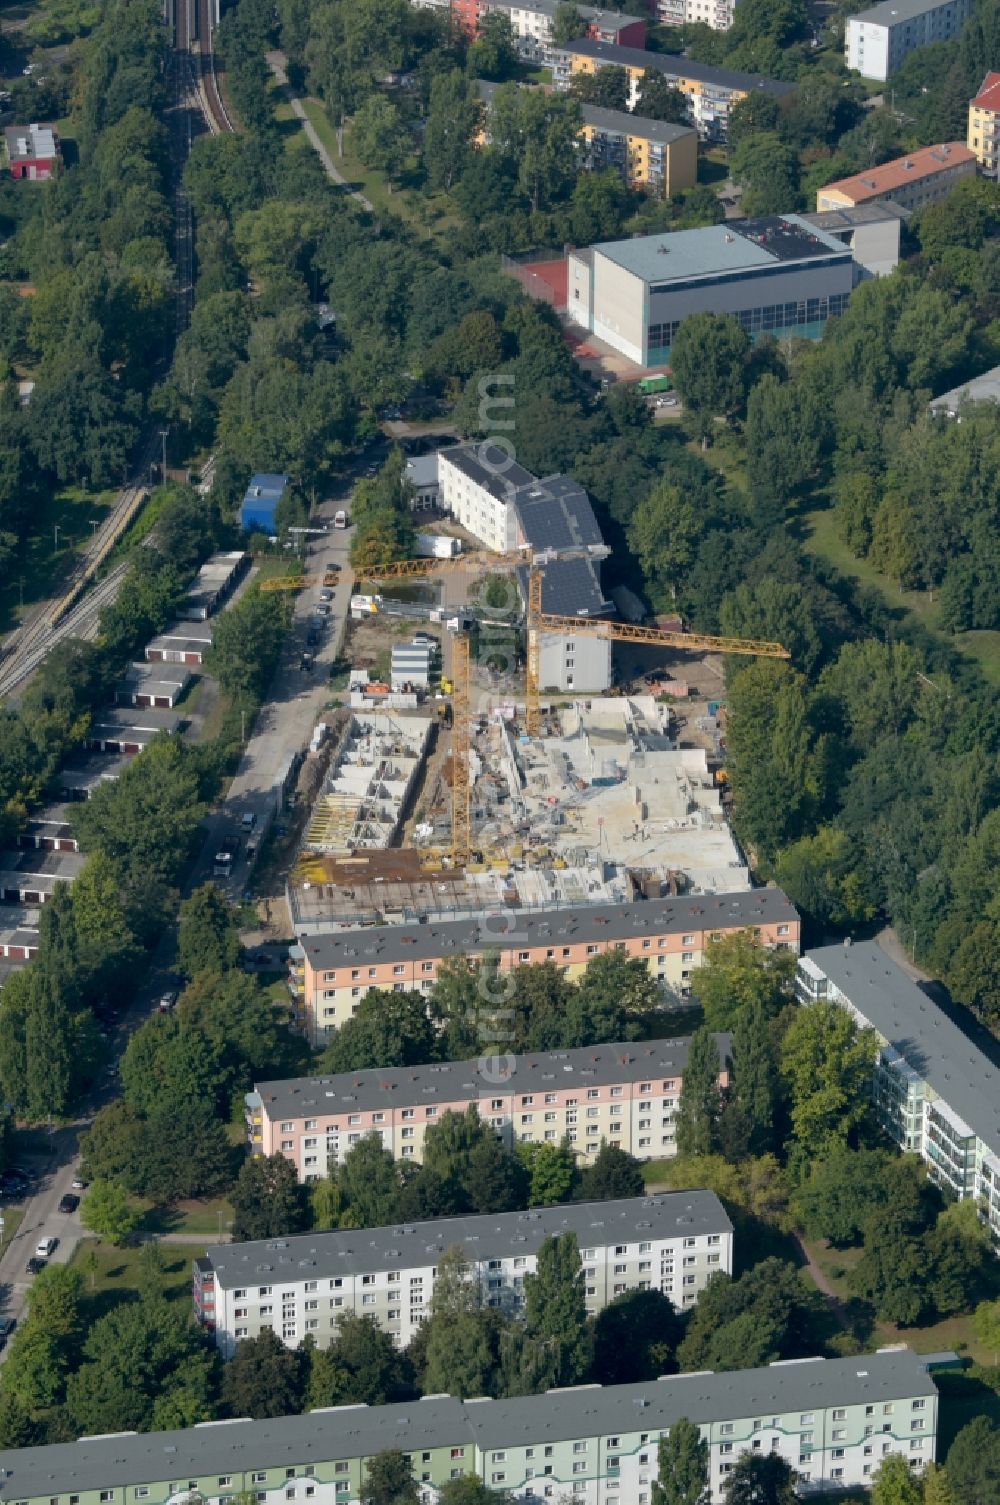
295, 702
278, 62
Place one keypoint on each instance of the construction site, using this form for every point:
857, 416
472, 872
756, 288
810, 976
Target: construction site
518, 799
602, 808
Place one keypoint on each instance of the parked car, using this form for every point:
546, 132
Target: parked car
326, 595
312, 637
323, 609
7, 1326
69, 1203
167, 1001
34, 1265
79, 1184
45, 1247
248, 820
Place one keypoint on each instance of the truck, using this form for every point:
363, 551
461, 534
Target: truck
223, 864
340, 518
436, 546
650, 385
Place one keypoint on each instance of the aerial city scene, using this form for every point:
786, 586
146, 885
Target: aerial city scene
499, 752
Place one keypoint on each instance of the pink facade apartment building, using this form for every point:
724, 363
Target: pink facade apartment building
625, 1094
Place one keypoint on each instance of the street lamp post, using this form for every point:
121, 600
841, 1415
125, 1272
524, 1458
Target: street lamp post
163, 440
95, 523
56, 530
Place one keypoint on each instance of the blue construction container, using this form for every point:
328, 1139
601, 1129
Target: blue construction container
258, 514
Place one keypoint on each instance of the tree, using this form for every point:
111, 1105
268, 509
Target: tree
842, 1191
768, 171
208, 934
635, 1338
567, 24
379, 135
608, 87
754, 1091
371, 1362
615, 991
555, 1307
140, 1362
470, 1490
493, 54
682, 1466
892, 1273
825, 875
267, 1199
451, 124
108, 1212
895, 1483
553, 1172
785, 430
709, 358
699, 1104
973, 1463
739, 972
389, 1481
937, 1488
665, 531
389, 1029
827, 1062
18, 1427
263, 1378
760, 1479
246, 642
960, 1255
754, 113
495, 1179
369, 1185
614, 1173
659, 100
987, 1325
767, 1314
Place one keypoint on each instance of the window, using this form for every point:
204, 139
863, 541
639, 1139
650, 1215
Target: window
225, 1480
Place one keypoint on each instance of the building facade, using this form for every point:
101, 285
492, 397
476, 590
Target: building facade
332, 973
303, 1286
872, 232
984, 126
650, 154
909, 182
531, 23
935, 1093
833, 1420
718, 14
777, 274
878, 39
711, 92
624, 1094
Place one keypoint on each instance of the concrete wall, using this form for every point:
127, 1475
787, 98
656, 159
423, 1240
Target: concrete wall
619, 308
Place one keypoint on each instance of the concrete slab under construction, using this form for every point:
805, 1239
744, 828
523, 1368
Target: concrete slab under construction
373, 772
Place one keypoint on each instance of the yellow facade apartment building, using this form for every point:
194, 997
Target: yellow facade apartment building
984, 125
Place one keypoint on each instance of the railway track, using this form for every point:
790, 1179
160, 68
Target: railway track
213, 106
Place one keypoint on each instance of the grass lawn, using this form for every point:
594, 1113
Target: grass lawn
429, 214
12, 1217
819, 537
202, 1218
39, 566
950, 1333
112, 1275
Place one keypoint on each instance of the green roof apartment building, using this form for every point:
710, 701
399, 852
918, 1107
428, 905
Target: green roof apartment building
778, 274
936, 1094
302, 1286
834, 1420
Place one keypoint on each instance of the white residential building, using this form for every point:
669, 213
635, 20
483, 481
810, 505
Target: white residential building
935, 1092
878, 39
303, 1286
